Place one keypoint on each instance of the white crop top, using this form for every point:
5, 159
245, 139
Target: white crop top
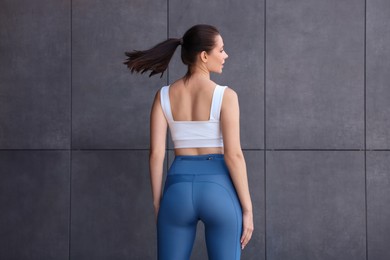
194, 134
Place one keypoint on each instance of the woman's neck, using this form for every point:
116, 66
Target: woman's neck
200, 72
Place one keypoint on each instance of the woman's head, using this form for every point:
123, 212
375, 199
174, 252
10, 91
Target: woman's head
201, 43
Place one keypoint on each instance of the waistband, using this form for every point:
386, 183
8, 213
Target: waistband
201, 157
198, 164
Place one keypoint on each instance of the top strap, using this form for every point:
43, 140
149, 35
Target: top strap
216, 103
165, 102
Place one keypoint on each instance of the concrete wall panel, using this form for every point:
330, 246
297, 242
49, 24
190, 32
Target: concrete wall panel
112, 209
378, 76
315, 74
315, 205
34, 204
111, 107
35, 74
378, 199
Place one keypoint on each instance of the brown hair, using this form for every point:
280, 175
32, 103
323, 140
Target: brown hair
198, 38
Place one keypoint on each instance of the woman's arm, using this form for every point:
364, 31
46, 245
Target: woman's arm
230, 122
158, 131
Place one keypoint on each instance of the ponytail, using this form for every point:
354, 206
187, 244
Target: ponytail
198, 38
155, 59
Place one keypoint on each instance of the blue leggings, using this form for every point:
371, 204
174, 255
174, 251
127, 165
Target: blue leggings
199, 188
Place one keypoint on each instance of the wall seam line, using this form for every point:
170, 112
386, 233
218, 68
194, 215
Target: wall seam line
167, 82
70, 133
265, 128
171, 149
365, 123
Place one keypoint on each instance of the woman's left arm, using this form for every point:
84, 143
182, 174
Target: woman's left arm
158, 132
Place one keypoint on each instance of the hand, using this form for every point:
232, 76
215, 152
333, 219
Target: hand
247, 228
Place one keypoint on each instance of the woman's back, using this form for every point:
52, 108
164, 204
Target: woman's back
191, 101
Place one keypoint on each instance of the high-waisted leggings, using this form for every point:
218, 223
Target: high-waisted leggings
199, 188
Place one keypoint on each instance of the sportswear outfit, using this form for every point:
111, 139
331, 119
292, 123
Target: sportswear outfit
198, 187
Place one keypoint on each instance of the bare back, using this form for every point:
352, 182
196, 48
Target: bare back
192, 102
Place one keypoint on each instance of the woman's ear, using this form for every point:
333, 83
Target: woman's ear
203, 56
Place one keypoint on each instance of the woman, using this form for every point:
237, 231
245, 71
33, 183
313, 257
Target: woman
207, 180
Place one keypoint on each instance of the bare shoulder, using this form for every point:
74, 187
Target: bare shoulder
230, 95
157, 95
156, 100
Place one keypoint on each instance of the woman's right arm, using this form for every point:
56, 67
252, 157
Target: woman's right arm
234, 158
158, 131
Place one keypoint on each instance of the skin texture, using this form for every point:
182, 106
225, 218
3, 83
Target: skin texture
191, 101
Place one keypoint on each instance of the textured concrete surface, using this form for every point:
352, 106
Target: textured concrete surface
35, 74
34, 204
312, 79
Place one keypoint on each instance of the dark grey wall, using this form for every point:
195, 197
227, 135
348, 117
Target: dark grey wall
313, 82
